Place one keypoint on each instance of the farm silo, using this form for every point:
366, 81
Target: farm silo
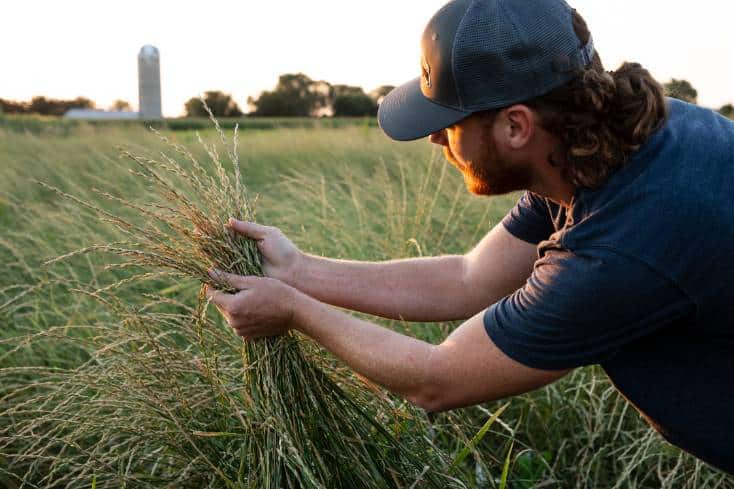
149, 82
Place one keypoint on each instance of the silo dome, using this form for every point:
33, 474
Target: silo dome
149, 51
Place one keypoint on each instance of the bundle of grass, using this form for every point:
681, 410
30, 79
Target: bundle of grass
296, 423
161, 403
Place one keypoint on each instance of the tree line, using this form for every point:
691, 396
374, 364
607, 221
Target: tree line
298, 95
41, 105
44, 106
683, 90
295, 95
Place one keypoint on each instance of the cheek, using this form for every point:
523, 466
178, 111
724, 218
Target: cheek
467, 149
456, 149
448, 154
454, 157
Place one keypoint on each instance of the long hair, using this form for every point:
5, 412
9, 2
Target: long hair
599, 117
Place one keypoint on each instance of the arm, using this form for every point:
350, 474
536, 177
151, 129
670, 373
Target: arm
465, 369
419, 289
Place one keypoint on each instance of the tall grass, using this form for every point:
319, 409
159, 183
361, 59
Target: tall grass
294, 425
87, 381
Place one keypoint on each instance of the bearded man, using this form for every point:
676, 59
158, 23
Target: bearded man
620, 253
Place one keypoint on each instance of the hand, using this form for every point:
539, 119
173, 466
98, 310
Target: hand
281, 257
262, 307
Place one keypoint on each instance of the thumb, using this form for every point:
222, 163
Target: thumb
239, 282
249, 229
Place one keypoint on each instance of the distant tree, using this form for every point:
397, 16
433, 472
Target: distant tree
49, 106
120, 105
194, 108
339, 90
276, 104
220, 103
354, 105
347, 100
681, 89
45, 106
727, 111
295, 95
42, 105
13, 107
379, 93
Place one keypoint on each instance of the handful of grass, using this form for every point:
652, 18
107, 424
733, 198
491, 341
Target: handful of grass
295, 421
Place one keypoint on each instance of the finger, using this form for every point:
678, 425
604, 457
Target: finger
249, 229
239, 282
219, 298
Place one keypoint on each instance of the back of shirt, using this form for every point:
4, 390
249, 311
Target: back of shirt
637, 277
671, 207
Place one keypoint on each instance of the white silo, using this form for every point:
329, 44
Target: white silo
149, 82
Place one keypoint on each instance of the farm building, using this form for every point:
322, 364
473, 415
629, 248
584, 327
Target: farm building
149, 92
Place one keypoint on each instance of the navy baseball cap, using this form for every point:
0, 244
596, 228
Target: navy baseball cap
484, 54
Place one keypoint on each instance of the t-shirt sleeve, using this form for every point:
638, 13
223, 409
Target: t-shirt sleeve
580, 308
530, 220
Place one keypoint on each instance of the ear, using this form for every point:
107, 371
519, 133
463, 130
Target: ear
518, 125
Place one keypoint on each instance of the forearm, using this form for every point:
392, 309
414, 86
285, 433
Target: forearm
418, 289
466, 368
399, 363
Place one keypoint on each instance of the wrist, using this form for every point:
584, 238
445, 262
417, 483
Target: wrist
300, 303
296, 270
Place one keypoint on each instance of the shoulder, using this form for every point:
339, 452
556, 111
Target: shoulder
697, 126
599, 274
578, 307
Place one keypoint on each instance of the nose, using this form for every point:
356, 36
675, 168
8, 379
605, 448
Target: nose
439, 137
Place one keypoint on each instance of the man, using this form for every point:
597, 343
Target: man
619, 254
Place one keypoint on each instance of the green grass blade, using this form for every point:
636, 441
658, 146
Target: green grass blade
478, 437
506, 467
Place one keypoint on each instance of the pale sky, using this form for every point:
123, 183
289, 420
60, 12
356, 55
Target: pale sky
64, 49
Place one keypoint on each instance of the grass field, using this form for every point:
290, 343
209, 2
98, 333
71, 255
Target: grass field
340, 190
38, 124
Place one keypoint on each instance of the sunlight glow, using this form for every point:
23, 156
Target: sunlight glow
89, 48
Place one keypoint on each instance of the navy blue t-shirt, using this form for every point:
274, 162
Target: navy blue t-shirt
638, 276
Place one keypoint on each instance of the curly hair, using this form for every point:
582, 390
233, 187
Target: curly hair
599, 117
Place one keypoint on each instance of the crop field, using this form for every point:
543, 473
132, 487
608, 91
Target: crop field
106, 381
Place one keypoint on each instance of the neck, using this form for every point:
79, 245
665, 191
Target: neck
547, 179
555, 188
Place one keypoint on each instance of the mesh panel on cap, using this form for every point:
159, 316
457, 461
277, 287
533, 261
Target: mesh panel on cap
504, 55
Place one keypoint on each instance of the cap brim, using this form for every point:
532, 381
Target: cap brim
406, 114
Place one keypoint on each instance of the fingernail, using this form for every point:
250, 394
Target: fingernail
231, 221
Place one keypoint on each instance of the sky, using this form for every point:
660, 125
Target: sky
89, 47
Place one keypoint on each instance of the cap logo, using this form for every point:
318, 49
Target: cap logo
426, 72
